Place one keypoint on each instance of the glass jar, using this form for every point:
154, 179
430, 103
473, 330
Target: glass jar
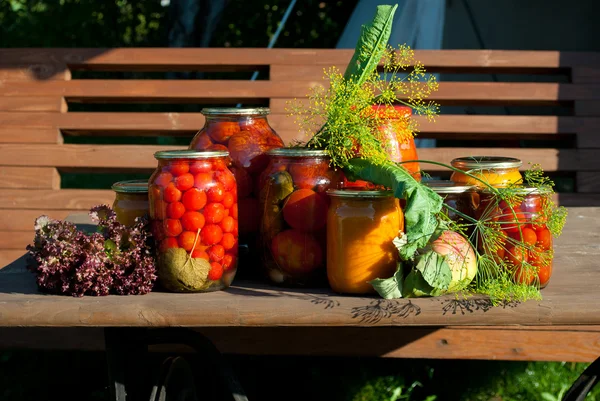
397, 140
526, 245
194, 212
247, 135
293, 215
361, 226
131, 200
463, 198
496, 171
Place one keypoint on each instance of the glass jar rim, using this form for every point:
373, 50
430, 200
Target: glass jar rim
131, 186
524, 191
447, 187
486, 162
235, 111
343, 193
189, 154
297, 152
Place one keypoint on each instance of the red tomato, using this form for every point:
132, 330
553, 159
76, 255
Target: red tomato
211, 234
223, 130
216, 253
228, 241
233, 212
173, 227
201, 142
167, 243
184, 181
526, 235
175, 210
200, 166
228, 200
248, 150
214, 212
171, 194
216, 271
524, 275
544, 238
178, 168
187, 239
197, 253
515, 255
163, 179
307, 175
544, 274
203, 180
194, 199
228, 262
192, 221
227, 224
219, 164
226, 178
215, 193
296, 251
305, 210
509, 223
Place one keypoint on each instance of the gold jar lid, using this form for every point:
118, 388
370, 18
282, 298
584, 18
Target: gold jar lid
486, 162
236, 111
131, 187
189, 154
447, 187
344, 193
297, 152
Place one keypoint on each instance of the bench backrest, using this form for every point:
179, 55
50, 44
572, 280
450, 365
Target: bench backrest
52, 98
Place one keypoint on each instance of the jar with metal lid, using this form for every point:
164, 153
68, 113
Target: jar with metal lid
294, 213
525, 242
194, 218
463, 198
361, 226
131, 200
493, 170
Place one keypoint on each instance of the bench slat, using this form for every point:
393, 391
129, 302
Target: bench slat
34, 72
37, 103
16, 240
74, 199
23, 220
30, 135
29, 177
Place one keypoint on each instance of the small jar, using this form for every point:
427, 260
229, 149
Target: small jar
294, 213
131, 200
496, 171
194, 212
361, 226
526, 242
463, 198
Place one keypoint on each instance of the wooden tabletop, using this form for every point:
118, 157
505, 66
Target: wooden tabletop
571, 298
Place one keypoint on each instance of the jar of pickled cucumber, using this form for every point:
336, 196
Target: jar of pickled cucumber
131, 200
495, 171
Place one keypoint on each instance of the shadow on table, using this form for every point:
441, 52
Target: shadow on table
16, 279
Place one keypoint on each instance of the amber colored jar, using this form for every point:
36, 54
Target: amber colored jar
463, 198
131, 200
361, 226
396, 139
527, 239
194, 212
293, 215
496, 171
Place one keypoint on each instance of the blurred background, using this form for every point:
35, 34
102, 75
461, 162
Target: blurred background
451, 24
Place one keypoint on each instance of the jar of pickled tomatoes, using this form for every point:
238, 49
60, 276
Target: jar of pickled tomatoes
247, 135
293, 215
397, 141
194, 219
131, 200
361, 226
458, 199
524, 242
496, 171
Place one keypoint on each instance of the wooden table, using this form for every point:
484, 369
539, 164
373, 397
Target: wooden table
254, 318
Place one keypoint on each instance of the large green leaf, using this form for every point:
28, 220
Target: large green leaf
435, 269
422, 204
416, 286
389, 288
371, 44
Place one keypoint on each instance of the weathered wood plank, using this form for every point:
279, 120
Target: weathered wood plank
30, 135
34, 72
15, 239
23, 220
74, 199
29, 177
37, 103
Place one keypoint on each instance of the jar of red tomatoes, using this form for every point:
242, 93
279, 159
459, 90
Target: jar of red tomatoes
294, 212
459, 200
397, 140
247, 135
524, 242
193, 213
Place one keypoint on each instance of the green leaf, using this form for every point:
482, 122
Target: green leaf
371, 44
416, 286
389, 288
422, 204
435, 270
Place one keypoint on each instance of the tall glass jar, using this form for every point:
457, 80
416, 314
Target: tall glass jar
247, 135
293, 215
495, 171
194, 217
131, 200
397, 140
526, 242
361, 226
462, 198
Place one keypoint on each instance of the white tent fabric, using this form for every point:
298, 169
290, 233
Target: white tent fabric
418, 23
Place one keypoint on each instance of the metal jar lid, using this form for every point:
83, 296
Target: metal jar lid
131, 187
235, 111
486, 162
447, 187
189, 154
343, 193
297, 152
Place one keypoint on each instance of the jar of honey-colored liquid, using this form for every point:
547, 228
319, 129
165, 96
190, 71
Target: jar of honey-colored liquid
131, 200
496, 171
